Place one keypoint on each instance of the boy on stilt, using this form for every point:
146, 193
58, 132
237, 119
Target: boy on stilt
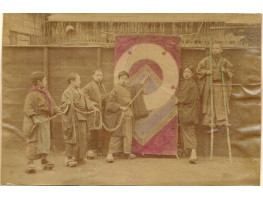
210, 83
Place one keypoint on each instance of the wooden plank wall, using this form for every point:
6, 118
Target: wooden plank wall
19, 63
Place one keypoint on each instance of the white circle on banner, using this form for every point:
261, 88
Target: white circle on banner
166, 62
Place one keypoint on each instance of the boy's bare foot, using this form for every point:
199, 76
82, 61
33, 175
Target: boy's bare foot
70, 162
131, 156
82, 161
91, 154
31, 169
193, 161
109, 158
47, 165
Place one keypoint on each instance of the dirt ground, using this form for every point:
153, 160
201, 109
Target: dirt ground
140, 171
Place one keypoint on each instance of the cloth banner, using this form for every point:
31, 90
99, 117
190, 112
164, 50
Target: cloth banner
159, 58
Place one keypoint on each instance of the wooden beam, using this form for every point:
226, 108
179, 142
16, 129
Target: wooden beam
113, 46
234, 27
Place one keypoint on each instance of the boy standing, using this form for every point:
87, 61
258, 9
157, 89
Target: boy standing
188, 105
39, 106
74, 121
95, 91
118, 108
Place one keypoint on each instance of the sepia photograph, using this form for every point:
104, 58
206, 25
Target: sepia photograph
131, 99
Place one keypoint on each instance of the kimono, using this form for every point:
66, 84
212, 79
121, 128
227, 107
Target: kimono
121, 139
96, 93
204, 86
188, 112
74, 122
38, 103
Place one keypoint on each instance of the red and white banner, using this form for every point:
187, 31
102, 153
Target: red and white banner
158, 57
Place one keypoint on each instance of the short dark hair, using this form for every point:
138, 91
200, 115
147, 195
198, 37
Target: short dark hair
191, 67
97, 70
123, 73
37, 76
72, 77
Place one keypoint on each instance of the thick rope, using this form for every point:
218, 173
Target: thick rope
101, 123
50, 118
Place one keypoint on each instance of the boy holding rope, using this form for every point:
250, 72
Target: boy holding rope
95, 91
74, 121
39, 106
118, 108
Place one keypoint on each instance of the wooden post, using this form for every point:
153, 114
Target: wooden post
99, 57
46, 64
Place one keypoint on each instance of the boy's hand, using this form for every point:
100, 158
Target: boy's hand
223, 69
36, 120
209, 72
96, 109
94, 105
59, 112
123, 108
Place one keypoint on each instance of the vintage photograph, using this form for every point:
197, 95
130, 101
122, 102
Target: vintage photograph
131, 99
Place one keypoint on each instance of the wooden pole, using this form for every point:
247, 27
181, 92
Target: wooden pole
226, 114
98, 57
212, 102
46, 64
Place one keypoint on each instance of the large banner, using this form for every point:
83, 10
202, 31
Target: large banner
159, 58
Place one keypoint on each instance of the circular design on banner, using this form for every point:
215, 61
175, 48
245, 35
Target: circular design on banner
166, 62
141, 63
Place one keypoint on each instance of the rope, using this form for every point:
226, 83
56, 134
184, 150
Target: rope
83, 112
101, 123
50, 118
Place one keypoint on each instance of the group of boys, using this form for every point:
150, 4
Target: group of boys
90, 109
82, 112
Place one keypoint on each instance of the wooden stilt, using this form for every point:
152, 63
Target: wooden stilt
212, 102
226, 114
